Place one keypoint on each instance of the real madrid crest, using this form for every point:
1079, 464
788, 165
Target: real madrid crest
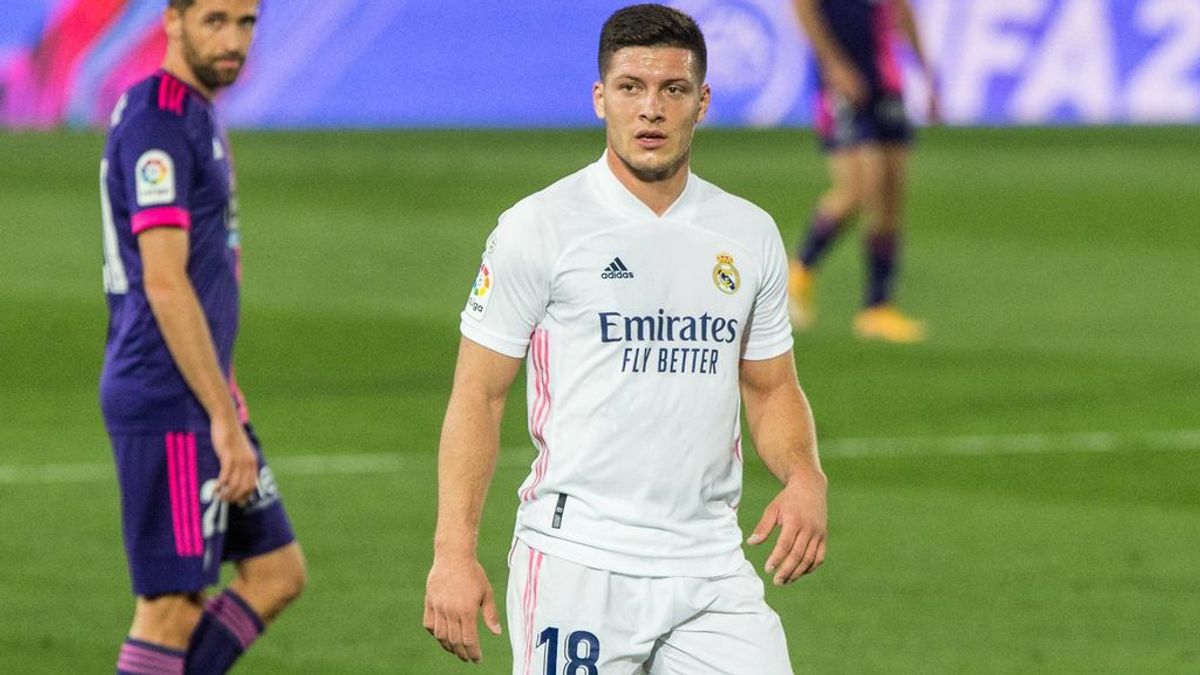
725, 275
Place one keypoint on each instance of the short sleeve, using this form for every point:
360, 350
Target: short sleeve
157, 164
512, 288
770, 332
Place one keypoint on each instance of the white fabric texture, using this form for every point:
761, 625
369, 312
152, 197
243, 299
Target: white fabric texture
633, 327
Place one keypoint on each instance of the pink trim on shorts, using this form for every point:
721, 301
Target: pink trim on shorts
176, 495
161, 216
185, 497
530, 602
193, 494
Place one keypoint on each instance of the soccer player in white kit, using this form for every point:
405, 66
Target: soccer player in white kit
647, 304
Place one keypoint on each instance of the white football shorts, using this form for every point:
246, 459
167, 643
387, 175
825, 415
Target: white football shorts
568, 619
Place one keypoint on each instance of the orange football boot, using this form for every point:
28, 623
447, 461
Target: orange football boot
886, 323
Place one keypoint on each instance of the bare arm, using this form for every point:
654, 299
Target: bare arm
470, 444
457, 587
837, 68
181, 321
908, 25
781, 424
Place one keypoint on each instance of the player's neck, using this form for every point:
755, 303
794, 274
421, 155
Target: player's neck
658, 194
178, 68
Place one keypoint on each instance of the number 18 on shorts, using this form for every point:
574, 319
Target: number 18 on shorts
568, 619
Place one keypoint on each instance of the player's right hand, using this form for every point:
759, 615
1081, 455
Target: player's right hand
846, 81
456, 589
239, 464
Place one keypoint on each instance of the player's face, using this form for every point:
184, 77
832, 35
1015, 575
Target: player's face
215, 36
651, 99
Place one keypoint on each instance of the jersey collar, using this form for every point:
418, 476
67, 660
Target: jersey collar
194, 92
616, 195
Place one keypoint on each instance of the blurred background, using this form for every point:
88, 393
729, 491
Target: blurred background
444, 64
1020, 493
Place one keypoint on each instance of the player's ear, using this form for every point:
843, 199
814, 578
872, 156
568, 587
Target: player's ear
598, 98
705, 98
173, 23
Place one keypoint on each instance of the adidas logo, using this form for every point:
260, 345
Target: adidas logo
616, 270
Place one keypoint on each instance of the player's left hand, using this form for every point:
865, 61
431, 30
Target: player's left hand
800, 513
239, 464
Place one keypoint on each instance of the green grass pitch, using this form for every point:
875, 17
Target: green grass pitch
973, 528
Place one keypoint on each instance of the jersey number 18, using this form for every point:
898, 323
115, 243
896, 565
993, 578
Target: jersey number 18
583, 650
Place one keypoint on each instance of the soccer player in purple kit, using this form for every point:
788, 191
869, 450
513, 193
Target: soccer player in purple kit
195, 489
865, 133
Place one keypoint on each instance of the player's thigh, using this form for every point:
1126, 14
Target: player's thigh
735, 633
167, 511
565, 618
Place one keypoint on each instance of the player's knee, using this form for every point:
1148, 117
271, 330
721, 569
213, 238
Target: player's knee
843, 202
283, 589
284, 582
882, 225
161, 608
167, 619
889, 221
294, 582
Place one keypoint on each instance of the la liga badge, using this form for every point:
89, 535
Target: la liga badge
154, 175
481, 292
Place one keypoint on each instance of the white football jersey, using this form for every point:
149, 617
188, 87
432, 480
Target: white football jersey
633, 327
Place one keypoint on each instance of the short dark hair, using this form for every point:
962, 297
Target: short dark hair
652, 25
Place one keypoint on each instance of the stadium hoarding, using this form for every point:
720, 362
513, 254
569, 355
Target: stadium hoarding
394, 63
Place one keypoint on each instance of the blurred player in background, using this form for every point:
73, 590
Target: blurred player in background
195, 490
865, 134
644, 300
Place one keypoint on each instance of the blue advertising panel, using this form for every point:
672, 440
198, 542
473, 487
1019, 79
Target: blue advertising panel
531, 63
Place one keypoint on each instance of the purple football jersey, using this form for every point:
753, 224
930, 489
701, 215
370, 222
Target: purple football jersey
166, 163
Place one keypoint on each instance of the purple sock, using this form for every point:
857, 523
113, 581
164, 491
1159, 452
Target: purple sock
822, 231
881, 266
143, 658
227, 629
